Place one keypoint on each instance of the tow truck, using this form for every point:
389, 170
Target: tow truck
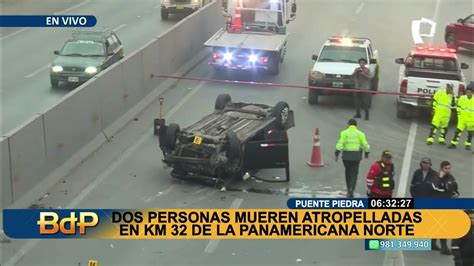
235, 139
255, 36
335, 63
425, 70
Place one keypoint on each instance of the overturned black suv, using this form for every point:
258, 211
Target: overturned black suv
235, 139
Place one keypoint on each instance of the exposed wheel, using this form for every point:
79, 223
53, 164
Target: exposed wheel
451, 40
281, 112
164, 14
222, 101
234, 150
54, 83
171, 136
313, 97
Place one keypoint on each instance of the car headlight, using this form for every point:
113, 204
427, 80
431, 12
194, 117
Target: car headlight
57, 68
91, 70
316, 75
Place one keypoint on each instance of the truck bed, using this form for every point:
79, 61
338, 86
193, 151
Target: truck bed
245, 125
247, 40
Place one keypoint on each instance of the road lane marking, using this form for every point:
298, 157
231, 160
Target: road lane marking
212, 245
359, 8
71, 8
32, 243
32, 74
403, 183
58, 13
435, 18
119, 27
396, 258
13, 34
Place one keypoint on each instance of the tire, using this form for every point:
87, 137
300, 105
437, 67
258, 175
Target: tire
274, 68
222, 101
313, 97
403, 112
164, 14
234, 150
171, 136
451, 40
281, 112
54, 83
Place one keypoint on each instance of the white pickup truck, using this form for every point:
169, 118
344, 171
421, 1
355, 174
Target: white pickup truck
423, 71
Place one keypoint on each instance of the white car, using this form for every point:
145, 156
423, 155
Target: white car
336, 62
422, 72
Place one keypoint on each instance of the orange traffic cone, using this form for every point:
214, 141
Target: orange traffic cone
316, 160
237, 21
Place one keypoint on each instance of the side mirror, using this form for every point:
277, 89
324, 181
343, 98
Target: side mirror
461, 21
314, 57
464, 66
373, 61
399, 61
56, 52
293, 8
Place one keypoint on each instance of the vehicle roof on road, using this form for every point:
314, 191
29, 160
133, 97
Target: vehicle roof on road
435, 52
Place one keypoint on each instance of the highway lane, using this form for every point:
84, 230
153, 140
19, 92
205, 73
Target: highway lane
27, 56
127, 173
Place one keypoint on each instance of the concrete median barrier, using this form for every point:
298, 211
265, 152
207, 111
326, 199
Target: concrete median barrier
28, 156
55, 142
7, 197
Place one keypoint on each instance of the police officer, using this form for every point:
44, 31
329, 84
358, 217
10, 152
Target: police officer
465, 118
380, 179
352, 143
422, 177
443, 101
444, 185
463, 248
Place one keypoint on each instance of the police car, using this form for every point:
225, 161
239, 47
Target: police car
422, 72
336, 62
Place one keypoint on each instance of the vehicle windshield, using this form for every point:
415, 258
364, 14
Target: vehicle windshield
83, 48
434, 63
345, 54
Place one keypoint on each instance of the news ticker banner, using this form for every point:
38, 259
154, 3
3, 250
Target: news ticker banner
47, 21
397, 244
395, 203
235, 224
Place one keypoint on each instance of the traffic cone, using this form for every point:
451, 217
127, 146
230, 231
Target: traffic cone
316, 160
237, 21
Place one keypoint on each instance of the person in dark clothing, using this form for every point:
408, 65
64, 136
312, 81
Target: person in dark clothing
463, 248
444, 185
422, 179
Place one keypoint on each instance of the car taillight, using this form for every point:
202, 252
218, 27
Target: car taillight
263, 59
461, 90
403, 86
216, 56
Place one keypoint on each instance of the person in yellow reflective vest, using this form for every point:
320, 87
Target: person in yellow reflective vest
443, 101
352, 143
465, 118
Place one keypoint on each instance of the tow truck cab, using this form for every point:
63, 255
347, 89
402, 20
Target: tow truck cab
335, 63
424, 71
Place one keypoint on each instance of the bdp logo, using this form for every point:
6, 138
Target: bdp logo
93, 263
415, 30
50, 224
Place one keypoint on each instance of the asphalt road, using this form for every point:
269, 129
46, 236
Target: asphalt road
127, 173
27, 53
